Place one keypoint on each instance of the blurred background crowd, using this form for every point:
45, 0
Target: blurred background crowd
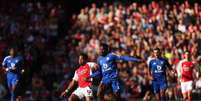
130, 28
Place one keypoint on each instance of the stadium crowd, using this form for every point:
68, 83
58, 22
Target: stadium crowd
130, 29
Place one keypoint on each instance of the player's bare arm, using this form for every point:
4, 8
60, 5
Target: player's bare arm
70, 86
149, 74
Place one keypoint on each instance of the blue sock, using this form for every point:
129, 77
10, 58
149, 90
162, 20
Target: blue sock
163, 98
12, 96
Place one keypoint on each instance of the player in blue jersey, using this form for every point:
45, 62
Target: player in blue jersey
12, 65
157, 73
109, 72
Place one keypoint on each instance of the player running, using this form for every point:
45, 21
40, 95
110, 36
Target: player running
109, 72
12, 64
185, 73
157, 73
80, 76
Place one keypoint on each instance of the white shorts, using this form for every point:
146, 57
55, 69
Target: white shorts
82, 92
186, 86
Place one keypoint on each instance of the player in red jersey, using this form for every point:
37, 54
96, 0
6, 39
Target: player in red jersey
83, 72
185, 73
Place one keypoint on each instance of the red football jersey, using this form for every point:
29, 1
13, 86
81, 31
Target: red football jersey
83, 72
186, 71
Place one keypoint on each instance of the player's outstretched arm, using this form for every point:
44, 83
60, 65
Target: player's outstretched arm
4, 65
126, 58
150, 76
70, 86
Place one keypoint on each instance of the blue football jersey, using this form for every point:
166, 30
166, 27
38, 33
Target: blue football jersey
13, 62
108, 64
158, 69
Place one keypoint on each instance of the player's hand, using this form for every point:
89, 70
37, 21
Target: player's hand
5, 70
64, 93
150, 77
22, 71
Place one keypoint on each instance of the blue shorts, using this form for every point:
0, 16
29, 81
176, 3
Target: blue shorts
157, 86
114, 83
12, 79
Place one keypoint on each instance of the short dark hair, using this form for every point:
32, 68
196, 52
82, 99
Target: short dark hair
157, 49
15, 48
84, 55
105, 46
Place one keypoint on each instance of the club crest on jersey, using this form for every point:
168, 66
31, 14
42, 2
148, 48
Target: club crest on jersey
89, 91
158, 67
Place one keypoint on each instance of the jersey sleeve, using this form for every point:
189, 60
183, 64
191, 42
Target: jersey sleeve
124, 58
150, 64
4, 61
75, 77
150, 67
148, 60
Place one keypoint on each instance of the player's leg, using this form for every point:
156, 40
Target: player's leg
15, 81
163, 87
88, 93
76, 95
11, 82
162, 94
190, 88
184, 96
184, 90
156, 90
9, 86
13, 87
189, 95
100, 92
157, 95
116, 89
88, 98
73, 97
